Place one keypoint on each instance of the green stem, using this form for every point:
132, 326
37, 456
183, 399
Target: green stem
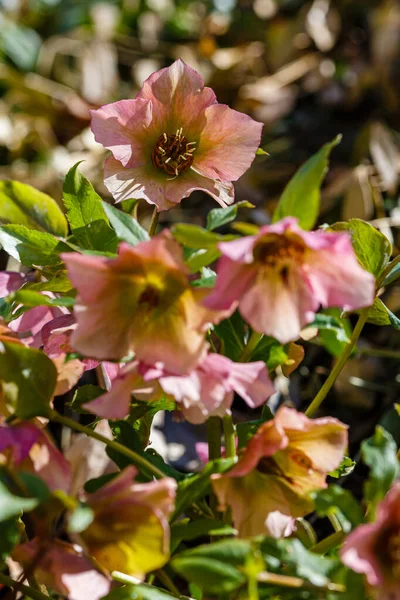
136, 458
332, 541
230, 436
316, 403
251, 345
167, 582
153, 222
20, 587
379, 352
214, 438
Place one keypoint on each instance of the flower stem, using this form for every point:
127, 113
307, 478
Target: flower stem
214, 438
296, 582
20, 587
167, 582
251, 345
330, 542
316, 403
230, 436
153, 222
136, 458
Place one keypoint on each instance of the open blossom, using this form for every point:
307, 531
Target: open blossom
64, 568
130, 531
374, 549
140, 301
288, 457
206, 391
174, 138
26, 447
280, 277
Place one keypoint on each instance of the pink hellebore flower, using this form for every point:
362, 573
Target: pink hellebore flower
63, 568
373, 549
28, 448
280, 277
174, 138
289, 457
140, 301
206, 391
130, 531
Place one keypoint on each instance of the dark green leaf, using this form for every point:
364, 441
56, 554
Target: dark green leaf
125, 226
379, 452
231, 332
84, 394
21, 204
301, 196
10, 533
246, 430
203, 527
335, 498
85, 213
271, 352
220, 216
31, 247
392, 275
28, 378
372, 248
212, 575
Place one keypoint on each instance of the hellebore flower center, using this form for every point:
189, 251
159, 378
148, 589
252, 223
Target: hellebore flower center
275, 250
173, 153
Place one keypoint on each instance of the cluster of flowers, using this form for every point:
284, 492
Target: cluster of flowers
141, 307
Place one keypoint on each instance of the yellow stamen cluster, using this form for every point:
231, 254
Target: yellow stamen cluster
173, 153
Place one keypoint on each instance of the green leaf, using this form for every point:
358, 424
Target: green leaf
138, 592
261, 152
392, 275
333, 332
220, 216
28, 378
80, 518
85, 213
31, 247
21, 204
125, 226
335, 498
196, 237
380, 314
345, 468
10, 533
207, 279
271, 352
301, 196
231, 332
379, 452
84, 394
57, 283
246, 430
185, 530
30, 298
372, 248
12, 506
201, 258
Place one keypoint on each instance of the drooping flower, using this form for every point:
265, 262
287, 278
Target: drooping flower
374, 548
206, 391
281, 276
140, 301
174, 138
26, 447
56, 339
288, 457
64, 568
130, 531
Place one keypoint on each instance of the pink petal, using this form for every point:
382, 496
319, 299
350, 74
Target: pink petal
233, 281
10, 282
150, 184
251, 381
358, 553
19, 438
121, 127
228, 143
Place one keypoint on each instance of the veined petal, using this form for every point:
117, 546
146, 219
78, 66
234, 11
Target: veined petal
228, 143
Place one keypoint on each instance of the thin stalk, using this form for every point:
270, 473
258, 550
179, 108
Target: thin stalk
167, 582
332, 541
379, 352
214, 438
230, 436
24, 589
296, 582
251, 345
153, 222
136, 458
319, 398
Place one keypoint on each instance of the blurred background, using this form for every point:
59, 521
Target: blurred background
307, 69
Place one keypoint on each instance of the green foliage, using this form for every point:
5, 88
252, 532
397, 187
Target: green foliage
138, 592
86, 216
379, 452
333, 332
10, 533
84, 394
221, 216
21, 204
372, 248
80, 518
196, 237
28, 378
380, 314
335, 499
59, 282
301, 196
126, 227
272, 352
186, 530
345, 468
31, 247
393, 274
13, 505
231, 332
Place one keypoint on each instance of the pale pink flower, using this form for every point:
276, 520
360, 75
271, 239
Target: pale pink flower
130, 530
56, 338
140, 301
374, 548
288, 457
280, 277
63, 568
206, 391
174, 138
28, 448
10, 282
